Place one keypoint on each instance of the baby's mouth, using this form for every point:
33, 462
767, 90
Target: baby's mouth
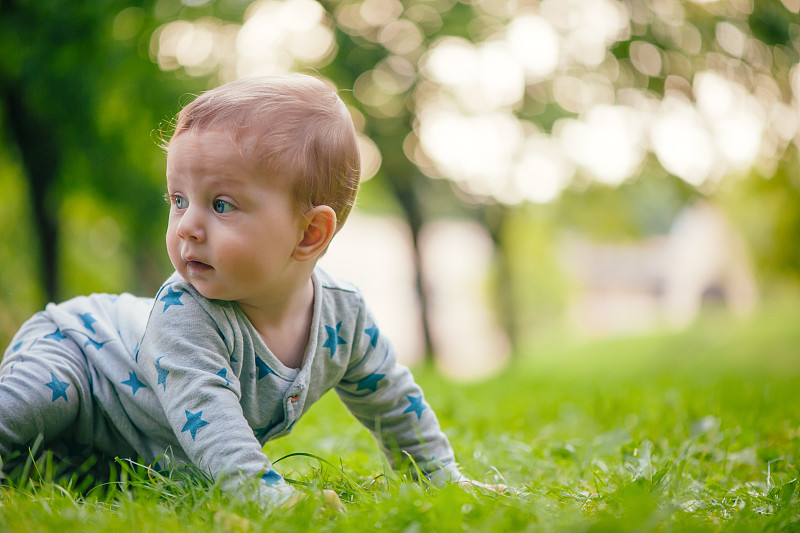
198, 267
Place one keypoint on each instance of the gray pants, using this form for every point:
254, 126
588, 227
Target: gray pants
51, 376
44, 382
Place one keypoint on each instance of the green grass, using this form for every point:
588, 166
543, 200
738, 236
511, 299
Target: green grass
697, 431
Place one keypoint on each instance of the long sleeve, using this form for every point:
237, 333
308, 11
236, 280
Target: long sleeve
383, 396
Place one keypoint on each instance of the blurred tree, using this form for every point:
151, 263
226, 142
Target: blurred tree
650, 104
768, 213
80, 98
362, 55
522, 85
380, 56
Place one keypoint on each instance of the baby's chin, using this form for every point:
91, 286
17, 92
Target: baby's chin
206, 292
206, 289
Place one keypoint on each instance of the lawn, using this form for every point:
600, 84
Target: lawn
691, 431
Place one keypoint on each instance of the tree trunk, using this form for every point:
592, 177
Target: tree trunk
405, 192
40, 160
494, 219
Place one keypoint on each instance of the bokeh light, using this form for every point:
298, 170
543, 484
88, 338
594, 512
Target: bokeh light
275, 37
714, 114
704, 104
606, 141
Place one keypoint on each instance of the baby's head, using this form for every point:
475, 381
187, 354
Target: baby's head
295, 127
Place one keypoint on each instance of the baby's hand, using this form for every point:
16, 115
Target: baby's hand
330, 500
469, 484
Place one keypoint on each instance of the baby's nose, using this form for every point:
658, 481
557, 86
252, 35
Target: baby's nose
191, 225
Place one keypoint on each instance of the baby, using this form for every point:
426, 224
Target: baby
247, 333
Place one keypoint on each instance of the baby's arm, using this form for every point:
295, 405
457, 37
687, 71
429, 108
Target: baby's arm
384, 397
185, 360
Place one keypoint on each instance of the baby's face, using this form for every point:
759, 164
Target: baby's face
232, 231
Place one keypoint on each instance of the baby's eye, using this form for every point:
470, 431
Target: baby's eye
180, 202
221, 206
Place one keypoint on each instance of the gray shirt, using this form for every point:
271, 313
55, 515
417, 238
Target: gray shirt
213, 393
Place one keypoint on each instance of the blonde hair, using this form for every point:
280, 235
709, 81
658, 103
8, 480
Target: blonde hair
296, 126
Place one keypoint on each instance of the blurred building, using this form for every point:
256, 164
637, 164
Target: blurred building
665, 280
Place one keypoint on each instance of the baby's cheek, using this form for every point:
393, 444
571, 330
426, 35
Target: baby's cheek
173, 250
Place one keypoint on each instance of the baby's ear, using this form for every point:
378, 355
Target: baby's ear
320, 226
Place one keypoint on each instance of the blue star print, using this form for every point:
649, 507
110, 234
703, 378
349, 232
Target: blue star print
91, 342
134, 383
58, 387
194, 421
334, 339
263, 369
272, 477
370, 382
88, 320
223, 373
172, 297
373, 333
415, 405
162, 373
56, 335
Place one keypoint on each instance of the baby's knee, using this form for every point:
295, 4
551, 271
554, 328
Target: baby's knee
36, 398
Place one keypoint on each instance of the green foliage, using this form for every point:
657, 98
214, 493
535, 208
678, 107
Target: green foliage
637, 209
20, 288
531, 237
673, 432
769, 22
93, 95
80, 98
767, 212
